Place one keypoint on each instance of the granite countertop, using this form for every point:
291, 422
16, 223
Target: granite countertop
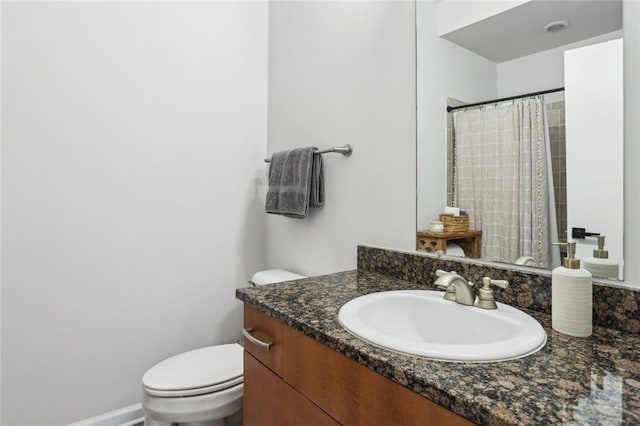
593, 380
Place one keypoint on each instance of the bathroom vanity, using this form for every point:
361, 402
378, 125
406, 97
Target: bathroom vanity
317, 373
300, 378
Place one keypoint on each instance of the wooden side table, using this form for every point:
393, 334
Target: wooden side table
437, 241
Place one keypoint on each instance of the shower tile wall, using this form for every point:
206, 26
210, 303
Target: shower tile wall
449, 159
555, 116
450, 149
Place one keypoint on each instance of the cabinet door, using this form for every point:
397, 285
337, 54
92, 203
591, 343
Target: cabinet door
268, 400
353, 394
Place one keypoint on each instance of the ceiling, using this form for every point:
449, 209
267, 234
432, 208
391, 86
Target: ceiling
518, 31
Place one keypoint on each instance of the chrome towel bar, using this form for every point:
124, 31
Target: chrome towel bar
344, 150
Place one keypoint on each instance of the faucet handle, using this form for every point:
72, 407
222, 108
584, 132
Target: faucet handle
488, 282
485, 298
441, 273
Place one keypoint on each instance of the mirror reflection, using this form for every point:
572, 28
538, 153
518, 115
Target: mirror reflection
522, 101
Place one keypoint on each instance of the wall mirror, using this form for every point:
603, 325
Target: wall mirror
528, 168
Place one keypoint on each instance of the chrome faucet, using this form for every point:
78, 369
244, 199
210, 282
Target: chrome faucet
457, 288
462, 291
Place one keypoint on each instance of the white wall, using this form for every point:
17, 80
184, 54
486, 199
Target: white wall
595, 138
631, 17
540, 71
132, 136
1, 130
344, 72
444, 70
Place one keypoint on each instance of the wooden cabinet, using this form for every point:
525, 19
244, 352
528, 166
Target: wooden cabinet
327, 388
269, 400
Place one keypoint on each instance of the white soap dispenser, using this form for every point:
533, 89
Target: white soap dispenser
600, 265
571, 296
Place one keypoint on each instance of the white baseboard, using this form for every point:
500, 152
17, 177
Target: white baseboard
127, 416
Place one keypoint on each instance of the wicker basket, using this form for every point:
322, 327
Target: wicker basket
454, 223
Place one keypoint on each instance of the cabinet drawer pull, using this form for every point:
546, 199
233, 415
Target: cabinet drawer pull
246, 332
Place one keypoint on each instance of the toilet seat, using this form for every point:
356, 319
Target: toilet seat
197, 372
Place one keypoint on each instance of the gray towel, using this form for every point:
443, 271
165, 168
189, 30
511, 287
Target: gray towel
296, 182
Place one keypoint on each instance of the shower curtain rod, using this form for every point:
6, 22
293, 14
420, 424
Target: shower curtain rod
544, 92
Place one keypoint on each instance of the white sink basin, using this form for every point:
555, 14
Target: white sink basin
423, 323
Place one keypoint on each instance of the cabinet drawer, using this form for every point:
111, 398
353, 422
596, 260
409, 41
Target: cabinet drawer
270, 401
267, 330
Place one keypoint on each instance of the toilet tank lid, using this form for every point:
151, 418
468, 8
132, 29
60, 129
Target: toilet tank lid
271, 276
196, 369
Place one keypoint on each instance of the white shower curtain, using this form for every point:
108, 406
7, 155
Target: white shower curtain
501, 178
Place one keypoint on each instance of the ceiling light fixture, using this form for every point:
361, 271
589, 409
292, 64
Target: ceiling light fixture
556, 26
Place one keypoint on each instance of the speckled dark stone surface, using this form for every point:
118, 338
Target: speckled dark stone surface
613, 307
593, 380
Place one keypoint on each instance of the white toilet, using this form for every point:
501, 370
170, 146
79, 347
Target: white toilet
202, 387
